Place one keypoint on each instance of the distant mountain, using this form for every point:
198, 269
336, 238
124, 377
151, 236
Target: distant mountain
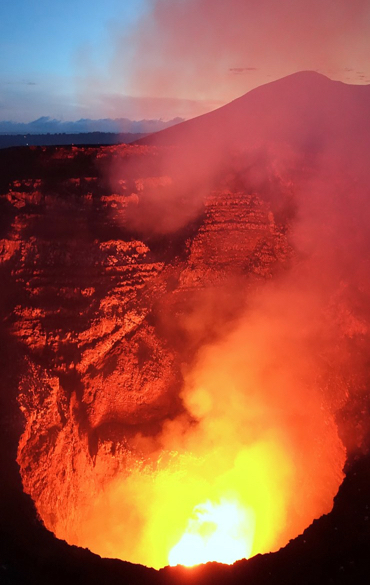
46, 125
306, 111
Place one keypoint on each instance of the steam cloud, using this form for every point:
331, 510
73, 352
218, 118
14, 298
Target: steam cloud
259, 427
276, 396
189, 49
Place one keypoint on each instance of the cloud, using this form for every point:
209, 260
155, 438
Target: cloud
242, 69
21, 82
114, 104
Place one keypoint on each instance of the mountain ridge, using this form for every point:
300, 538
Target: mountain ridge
286, 117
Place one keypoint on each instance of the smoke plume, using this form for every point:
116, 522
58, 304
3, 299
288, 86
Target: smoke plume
210, 50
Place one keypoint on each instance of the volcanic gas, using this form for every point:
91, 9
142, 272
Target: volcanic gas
194, 324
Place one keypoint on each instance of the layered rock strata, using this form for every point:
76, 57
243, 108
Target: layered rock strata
100, 313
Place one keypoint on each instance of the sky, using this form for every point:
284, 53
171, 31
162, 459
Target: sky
72, 59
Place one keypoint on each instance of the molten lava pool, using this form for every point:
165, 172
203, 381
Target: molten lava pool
217, 532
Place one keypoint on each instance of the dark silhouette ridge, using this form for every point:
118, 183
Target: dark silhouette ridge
303, 107
54, 139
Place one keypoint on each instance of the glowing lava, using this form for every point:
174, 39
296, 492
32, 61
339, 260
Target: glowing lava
255, 435
217, 532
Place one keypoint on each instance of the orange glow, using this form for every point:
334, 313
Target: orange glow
247, 465
154, 516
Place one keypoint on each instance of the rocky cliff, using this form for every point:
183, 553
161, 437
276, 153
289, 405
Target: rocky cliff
102, 361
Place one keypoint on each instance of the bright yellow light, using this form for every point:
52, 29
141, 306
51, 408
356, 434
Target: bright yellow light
217, 532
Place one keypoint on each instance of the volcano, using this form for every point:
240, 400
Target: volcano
185, 333
306, 110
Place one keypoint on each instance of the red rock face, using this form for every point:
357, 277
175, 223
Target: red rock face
103, 317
